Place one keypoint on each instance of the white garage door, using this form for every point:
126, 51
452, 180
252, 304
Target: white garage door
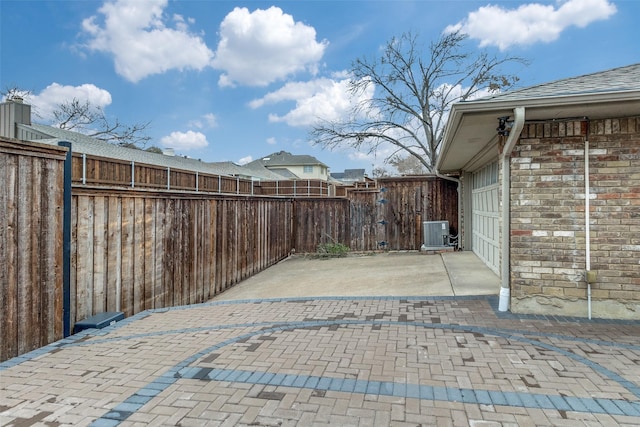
485, 211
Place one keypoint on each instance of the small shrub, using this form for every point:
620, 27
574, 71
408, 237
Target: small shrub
332, 250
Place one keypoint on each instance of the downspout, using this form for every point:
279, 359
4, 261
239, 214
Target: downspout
587, 227
505, 262
457, 181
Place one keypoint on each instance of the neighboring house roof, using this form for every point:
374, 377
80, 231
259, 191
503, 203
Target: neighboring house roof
354, 174
284, 173
230, 168
258, 169
91, 146
350, 175
470, 137
284, 158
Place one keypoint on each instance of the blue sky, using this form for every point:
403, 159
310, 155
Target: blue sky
235, 81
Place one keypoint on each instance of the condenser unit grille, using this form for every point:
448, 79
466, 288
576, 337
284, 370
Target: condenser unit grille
435, 234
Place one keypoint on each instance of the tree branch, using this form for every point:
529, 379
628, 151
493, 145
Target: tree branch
412, 96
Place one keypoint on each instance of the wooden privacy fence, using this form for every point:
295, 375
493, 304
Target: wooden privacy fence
134, 249
408, 201
31, 247
102, 171
320, 221
390, 217
143, 251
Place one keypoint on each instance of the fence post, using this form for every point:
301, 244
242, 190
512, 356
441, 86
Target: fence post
168, 178
66, 243
196, 181
133, 174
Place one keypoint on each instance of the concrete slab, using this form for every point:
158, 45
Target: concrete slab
381, 274
469, 275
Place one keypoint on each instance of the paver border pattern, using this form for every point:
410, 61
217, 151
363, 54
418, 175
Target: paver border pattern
188, 369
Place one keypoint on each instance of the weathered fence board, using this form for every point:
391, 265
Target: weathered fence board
113, 243
320, 221
51, 255
30, 246
99, 256
366, 232
27, 248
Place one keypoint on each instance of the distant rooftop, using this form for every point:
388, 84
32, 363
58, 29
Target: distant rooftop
284, 158
349, 175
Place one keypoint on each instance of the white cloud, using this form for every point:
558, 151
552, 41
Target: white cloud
134, 32
55, 94
245, 160
260, 47
530, 23
181, 23
325, 99
189, 140
208, 120
211, 120
271, 141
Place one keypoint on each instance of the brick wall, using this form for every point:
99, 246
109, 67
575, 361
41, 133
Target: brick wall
548, 218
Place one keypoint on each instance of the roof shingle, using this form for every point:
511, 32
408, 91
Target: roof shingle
616, 80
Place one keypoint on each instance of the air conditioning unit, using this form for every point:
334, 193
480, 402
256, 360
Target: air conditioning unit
435, 234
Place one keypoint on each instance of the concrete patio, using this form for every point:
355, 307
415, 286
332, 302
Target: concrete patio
382, 274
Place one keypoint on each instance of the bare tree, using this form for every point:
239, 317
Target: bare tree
407, 165
14, 92
413, 96
90, 120
379, 172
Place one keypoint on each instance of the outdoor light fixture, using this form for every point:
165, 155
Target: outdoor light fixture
504, 126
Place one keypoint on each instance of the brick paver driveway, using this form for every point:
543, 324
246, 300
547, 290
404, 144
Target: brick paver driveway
332, 361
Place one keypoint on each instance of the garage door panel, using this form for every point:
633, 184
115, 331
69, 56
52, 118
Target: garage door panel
485, 216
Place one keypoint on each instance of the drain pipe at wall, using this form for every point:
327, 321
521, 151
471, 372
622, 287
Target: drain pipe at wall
590, 276
505, 262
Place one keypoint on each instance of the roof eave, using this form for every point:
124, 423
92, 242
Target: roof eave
538, 108
546, 101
